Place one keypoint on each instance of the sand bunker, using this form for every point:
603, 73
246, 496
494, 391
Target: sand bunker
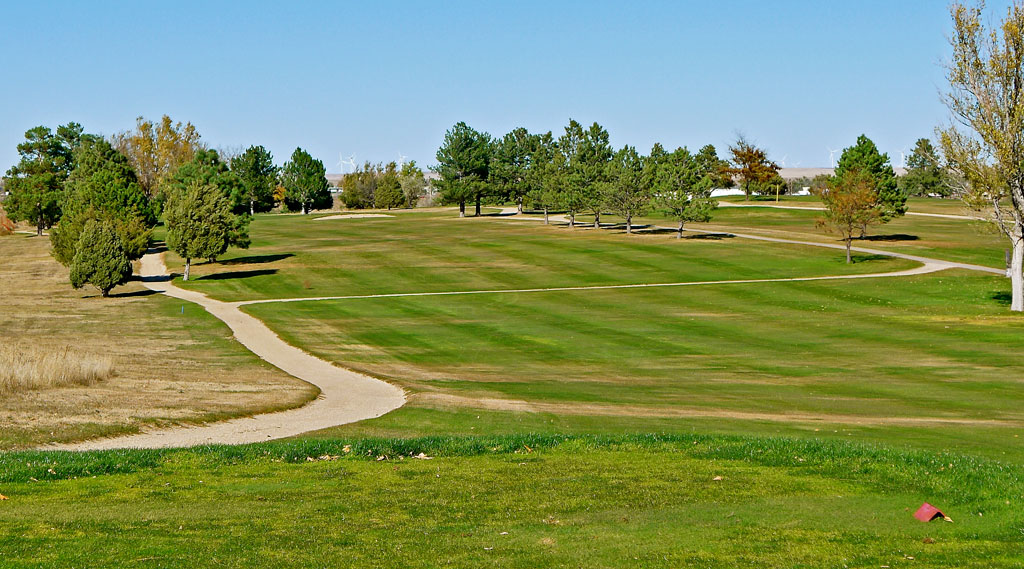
353, 216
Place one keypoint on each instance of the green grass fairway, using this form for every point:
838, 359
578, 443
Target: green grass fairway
926, 361
295, 256
524, 502
958, 240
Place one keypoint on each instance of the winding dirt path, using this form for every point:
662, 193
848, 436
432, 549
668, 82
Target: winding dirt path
345, 396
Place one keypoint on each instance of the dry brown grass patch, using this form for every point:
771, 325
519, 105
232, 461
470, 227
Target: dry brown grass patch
26, 368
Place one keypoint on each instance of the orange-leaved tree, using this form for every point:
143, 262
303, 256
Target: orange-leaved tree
851, 204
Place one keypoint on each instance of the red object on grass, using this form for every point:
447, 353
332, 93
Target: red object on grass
928, 512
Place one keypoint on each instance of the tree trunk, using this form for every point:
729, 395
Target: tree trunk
1016, 275
848, 239
252, 207
462, 208
519, 206
39, 224
597, 220
105, 292
629, 224
572, 220
477, 205
188, 268
680, 234
545, 215
305, 209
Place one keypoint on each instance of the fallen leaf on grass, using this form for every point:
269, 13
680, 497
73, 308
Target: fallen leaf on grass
423, 456
2, 497
717, 478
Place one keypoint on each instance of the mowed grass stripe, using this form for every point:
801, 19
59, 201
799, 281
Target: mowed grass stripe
572, 347
429, 254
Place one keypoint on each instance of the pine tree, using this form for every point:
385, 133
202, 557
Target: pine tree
305, 181
100, 258
865, 158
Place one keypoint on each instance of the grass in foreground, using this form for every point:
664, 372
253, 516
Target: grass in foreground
513, 501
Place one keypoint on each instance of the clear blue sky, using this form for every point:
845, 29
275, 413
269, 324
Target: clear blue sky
379, 78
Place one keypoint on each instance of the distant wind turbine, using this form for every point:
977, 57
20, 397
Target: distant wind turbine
782, 162
903, 157
401, 159
832, 157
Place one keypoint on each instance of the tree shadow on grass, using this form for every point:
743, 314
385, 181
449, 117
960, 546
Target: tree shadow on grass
134, 293
256, 259
864, 258
711, 236
237, 275
1002, 297
890, 237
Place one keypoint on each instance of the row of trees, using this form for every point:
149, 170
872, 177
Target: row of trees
579, 172
383, 187
101, 198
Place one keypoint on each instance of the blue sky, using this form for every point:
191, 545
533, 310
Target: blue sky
378, 78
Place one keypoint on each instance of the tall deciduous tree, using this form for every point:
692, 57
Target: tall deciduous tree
100, 257
510, 165
851, 204
305, 181
258, 176
926, 175
683, 185
200, 223
866, 159
463, 162
985, 147
102, 186
751, 165
413, 183
627, 193
155, 151
36, 182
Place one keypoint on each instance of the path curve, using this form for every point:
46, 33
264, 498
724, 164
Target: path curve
345, 396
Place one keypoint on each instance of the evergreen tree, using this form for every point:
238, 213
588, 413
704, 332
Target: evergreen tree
683, 185
200, 223
588, 153
207, 169
258, 176
305, 183
627, 192
102, 186
389, 189
100, 258
925, 175
36, 182
545, 176
865, 158
463, 162
510, 165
